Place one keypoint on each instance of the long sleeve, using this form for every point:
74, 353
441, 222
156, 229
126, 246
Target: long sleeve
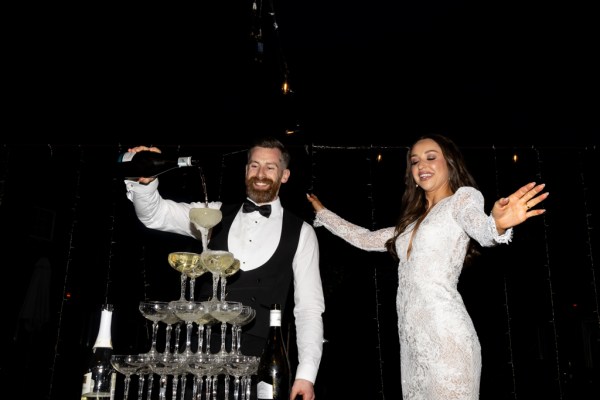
309, 304
468, 211
357, 236
162, 214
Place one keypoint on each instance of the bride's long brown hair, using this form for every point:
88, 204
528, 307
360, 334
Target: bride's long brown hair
414, 203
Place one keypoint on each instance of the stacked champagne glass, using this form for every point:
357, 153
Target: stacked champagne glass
196, 364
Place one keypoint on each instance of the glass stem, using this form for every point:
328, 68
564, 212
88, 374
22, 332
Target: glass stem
236, 388
215, 278
169, 328
154, 333
174, 384
204, 242
214, 384
192, 286
183, 279
183, 382
177, 335
223, 332
223, 284
188, 339
208, 336
150, 384
163, 387
239, 340
126, 386
141, 379
197, 388
234, 339
226, 379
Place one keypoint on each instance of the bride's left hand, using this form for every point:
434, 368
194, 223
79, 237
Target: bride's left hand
518, 207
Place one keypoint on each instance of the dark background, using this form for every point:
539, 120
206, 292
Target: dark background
500, 73
534, 303
502, 79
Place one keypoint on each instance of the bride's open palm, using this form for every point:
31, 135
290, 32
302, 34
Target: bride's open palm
518, 207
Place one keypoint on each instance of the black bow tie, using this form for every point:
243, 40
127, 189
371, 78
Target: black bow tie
264, 210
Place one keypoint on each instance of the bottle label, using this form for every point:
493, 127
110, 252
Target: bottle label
126, 156
264, 391
184, 161
275, 318
91, 390
113, 385
88, 383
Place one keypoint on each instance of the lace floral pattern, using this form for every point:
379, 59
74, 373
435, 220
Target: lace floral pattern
440, 353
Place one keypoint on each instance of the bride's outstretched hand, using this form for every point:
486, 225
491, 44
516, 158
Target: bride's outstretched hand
518, 207
314, 201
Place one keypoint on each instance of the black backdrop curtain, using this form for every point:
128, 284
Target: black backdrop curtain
72, 242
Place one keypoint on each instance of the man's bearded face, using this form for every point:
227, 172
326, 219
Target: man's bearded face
262, 190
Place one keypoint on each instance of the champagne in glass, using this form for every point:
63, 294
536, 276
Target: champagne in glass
205, 218
188, 264
217, 262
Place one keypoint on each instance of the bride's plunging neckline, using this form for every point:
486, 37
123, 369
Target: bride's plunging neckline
418, 223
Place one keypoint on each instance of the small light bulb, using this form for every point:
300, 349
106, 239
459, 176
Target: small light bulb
515, 158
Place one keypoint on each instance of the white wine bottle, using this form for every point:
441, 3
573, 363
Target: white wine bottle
100, 377
149, 164
274, 372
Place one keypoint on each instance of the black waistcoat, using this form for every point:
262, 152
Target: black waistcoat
270, 283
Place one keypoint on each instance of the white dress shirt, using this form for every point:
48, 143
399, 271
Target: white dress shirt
253, 239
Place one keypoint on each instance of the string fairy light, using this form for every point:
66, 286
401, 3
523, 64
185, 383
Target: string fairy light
589, 227
69, 259
509, 338
549, 280
378, 304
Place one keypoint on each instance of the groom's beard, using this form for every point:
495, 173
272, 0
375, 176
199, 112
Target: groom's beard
265, 194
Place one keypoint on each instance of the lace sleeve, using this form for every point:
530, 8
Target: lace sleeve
470, 215
357, 236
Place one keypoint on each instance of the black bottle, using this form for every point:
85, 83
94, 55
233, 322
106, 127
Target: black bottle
149, 164
274, 372
100, 377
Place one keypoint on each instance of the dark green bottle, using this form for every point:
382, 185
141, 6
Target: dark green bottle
100, 376
274, 372
149, 164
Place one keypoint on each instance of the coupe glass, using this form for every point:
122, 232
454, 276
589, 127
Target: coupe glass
244, 317
224, 311
205, 218
190, 312
199, 367
142, 361
188, 264
217, 262
164, 366
126, 365
154, 311
171, 319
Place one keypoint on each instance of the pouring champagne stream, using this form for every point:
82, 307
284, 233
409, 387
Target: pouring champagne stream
206, 217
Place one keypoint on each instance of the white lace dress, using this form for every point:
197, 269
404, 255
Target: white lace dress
440, 354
